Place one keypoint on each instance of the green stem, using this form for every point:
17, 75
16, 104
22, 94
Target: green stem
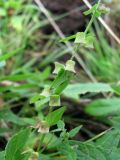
88, 26
92, 18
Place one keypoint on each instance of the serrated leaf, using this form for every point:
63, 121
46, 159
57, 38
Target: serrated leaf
68, 152
109, 144
74, 131
109, 141
16, 144
61, 125
104, 107
89, 152
53, 117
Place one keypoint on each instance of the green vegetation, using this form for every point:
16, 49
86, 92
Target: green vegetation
56, 113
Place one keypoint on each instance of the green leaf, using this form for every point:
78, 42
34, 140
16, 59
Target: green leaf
70, 66
13, 4
67, 151
16, 144
116, 88
109, 141
80, 38
62, 87
61, 125
91, 10
68, 38
85, 39
74, 90
35, 98
2, 155
74, 131
89, 152
115, 121
90, 41
63, 76
96, 10
9, 116
109, 144
53, 117
41, 102
104, 107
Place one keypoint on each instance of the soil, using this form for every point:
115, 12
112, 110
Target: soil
74, 21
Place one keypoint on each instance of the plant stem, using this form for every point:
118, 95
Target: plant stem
92, 18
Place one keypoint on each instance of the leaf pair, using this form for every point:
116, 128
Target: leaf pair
85, 40
97, 10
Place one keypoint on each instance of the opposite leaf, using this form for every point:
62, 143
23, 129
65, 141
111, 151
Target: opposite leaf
85, 40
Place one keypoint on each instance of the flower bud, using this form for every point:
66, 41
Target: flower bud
43, 127
70, 66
